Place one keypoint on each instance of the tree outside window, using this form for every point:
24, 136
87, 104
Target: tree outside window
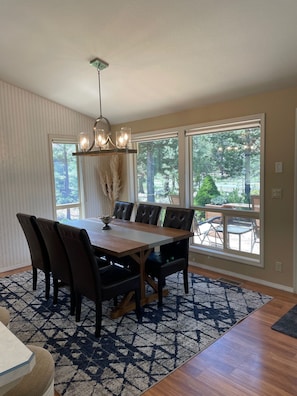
157, 170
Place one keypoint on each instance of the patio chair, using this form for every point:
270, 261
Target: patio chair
206, 228
255, 199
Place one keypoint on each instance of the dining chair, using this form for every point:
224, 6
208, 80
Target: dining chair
89, 281
172, 257
38, 251
40, 381
59, 263
123, 210
148, 214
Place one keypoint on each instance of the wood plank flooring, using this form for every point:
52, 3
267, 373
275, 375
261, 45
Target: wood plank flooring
251, 359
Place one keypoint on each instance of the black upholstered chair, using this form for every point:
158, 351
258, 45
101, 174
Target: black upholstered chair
123, 210
88, 281
60, 266
172, 257
148, 214
38, 251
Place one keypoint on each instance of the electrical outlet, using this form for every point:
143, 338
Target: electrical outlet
278, 167
278, 266
276, 193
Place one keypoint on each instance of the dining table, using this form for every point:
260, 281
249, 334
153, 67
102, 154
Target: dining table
136, 240
16, 360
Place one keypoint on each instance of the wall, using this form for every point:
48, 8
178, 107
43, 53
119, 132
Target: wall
26, 120
279, 108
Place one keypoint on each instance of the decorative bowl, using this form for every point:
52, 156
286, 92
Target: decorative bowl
106, 219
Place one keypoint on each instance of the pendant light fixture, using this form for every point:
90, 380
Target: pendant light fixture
100, 142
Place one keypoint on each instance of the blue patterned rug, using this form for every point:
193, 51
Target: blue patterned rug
129, 357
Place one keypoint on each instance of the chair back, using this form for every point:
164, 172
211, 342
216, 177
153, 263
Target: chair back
148, 214
59, 262
180, 218
86, 277
36, 244
123, 210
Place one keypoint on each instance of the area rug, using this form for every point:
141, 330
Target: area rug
129, 357
287, 324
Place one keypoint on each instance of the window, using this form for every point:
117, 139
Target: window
217, 169
157, 168
66, 180
225, 181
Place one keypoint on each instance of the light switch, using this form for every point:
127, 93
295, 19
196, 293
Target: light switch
276, 193
278, 166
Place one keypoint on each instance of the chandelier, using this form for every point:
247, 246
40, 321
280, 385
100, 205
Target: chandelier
100, 141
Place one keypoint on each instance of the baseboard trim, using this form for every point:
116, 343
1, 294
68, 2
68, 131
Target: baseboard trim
243, 277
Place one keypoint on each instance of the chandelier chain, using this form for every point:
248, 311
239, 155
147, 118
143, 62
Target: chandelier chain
99, 84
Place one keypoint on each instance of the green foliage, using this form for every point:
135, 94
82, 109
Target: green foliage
235, 196
207, 192
219, 200
157, 168
65, 173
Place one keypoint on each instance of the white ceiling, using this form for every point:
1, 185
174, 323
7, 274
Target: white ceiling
163, 55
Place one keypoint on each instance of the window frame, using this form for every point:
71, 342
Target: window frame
218, 126
185, 184
65, 139
149, 136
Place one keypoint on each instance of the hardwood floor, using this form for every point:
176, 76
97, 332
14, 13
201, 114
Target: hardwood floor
250, 359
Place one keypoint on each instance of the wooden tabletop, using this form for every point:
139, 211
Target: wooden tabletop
126, 237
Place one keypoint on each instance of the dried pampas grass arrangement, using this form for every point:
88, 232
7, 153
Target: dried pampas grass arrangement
110, 180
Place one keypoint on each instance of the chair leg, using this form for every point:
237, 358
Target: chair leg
34, 278
138, 309
98, 319
186, 281
72, 302
56, 288
78, 306
47, 285
161, 282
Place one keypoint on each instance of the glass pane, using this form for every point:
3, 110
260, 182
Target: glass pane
157, 170
65, 173
68, 213
226, 168
213, 229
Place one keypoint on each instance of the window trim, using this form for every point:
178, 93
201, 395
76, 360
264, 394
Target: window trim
153, 135
147, 137
225, 125
67, 139
185, 168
